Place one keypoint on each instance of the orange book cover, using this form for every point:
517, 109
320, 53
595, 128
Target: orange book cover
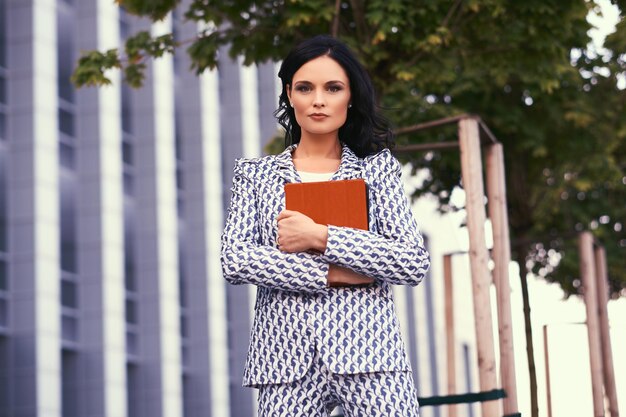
338, 203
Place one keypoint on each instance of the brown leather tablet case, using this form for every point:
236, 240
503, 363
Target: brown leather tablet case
338, 203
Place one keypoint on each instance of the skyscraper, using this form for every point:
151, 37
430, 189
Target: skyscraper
111, 208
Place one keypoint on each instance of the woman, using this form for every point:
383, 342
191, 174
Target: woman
325, 331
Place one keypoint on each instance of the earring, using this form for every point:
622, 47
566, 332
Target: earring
290, 104
350, 105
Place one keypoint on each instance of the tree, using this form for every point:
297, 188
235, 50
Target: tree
524, 67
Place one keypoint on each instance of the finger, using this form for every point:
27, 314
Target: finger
287, 213
281, 216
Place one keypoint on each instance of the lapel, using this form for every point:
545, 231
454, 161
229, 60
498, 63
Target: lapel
350, 166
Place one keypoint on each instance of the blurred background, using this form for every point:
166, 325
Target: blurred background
113, 197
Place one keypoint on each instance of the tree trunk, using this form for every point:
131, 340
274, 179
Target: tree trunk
532, 371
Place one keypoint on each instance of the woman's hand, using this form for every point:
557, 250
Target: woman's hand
299, 233
339, 276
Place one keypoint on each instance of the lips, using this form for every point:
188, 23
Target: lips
318, 116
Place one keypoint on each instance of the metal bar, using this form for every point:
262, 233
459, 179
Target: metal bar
426, 147
427, 125
487, 131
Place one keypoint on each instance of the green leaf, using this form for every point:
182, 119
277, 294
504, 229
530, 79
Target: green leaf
92, 66
154, 9
134, 74
204, 52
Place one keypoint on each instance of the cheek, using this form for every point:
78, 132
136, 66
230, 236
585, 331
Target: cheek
298, 114
344, 109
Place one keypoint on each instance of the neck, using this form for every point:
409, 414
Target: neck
319, 147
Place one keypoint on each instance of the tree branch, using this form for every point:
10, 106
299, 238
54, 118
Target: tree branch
359, 20
451, 12
335, 29
444, 23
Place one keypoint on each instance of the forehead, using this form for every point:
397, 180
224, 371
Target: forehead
321, 69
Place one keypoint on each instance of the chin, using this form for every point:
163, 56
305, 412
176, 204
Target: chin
319, 130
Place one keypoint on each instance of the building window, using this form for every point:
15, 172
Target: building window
127, 109
124, 24
66, 122
4, 276
132, 341
4, 233
67, 155
3, 102
70, 382
69, 293
130, 282
183, 299
4, 312
3, 125
69, 328
65, 50
69, 310
3, 87
4, 295
3, 35
132, 315
68, 230
134, 390
127, 153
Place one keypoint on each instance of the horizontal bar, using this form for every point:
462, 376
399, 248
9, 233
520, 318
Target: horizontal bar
415, 147
434, 123
472, 397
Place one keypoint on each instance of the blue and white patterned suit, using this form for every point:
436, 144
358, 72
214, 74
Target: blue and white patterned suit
297, 317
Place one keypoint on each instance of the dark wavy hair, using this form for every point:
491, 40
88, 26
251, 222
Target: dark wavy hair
366, 131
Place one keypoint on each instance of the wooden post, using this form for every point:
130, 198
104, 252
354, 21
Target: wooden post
547, 355
588, 275
450, 342
496, 191
605, 336
471, 168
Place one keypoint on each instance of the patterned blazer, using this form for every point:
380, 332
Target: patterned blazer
354, 329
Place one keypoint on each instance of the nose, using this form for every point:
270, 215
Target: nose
318, 100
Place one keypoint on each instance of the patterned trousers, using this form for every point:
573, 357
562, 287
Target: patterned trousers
377, 394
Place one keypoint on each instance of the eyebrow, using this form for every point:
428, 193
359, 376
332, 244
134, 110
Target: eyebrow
326, 83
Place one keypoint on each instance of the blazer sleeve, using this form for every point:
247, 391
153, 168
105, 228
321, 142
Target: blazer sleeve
396, 252
245, 260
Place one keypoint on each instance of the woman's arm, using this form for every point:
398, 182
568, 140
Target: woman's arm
298, 232
246, 261
396, 254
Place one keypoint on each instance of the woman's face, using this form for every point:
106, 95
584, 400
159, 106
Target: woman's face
320, 94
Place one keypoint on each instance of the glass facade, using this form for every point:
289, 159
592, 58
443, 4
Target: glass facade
68, 189
182, 224
4, 278
186, 334
5, 377
3, 34
131, 286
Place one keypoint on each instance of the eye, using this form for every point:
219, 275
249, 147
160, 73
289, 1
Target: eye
303, 88
334, 88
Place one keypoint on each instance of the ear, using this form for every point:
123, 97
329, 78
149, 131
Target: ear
288, 91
